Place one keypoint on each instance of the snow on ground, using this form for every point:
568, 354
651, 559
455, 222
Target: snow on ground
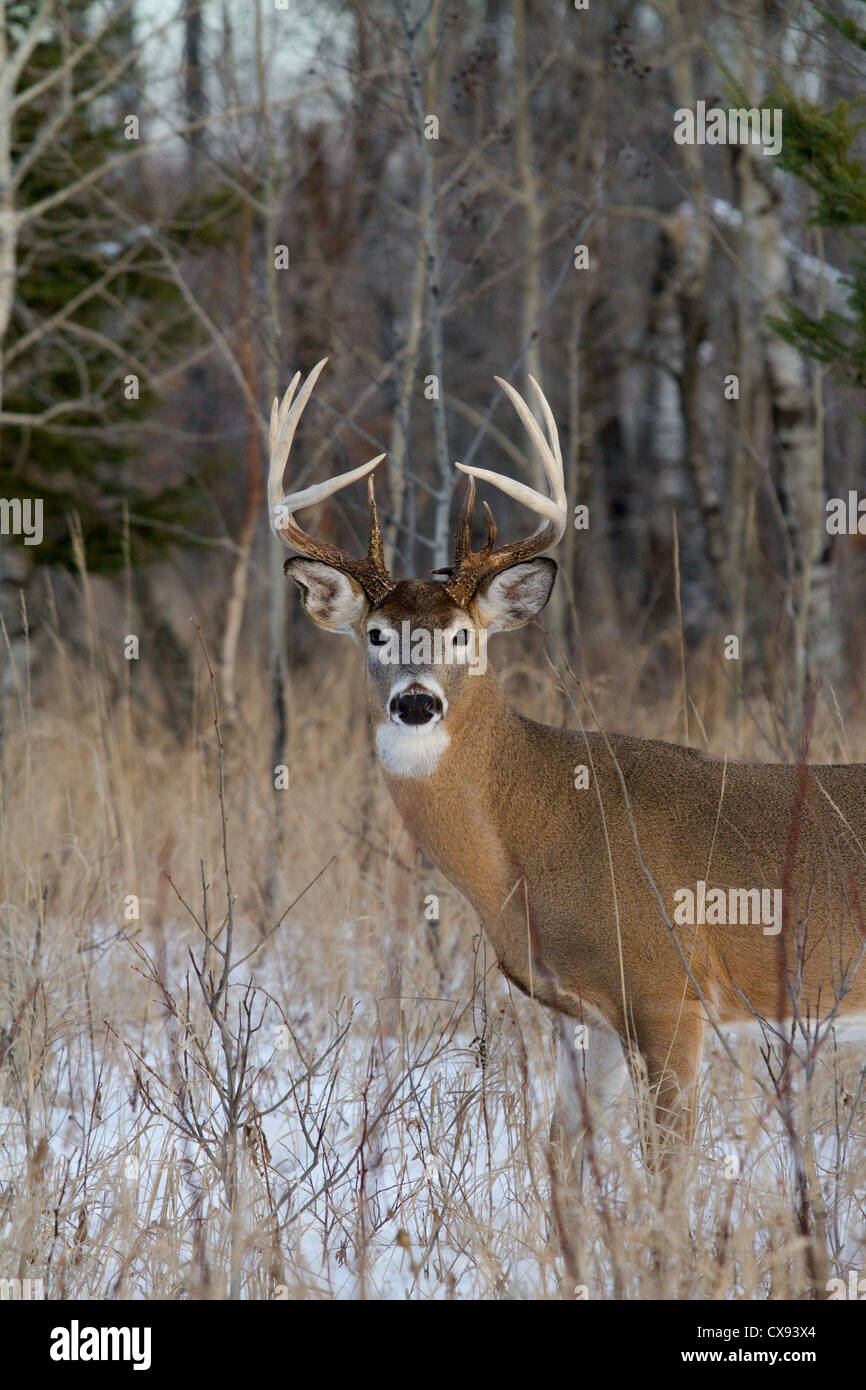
391, 1161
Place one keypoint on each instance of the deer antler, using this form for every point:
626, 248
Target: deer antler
370, 572
471, 567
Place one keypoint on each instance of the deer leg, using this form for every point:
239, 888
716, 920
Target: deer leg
590, 1072
666, 1072
665, 1064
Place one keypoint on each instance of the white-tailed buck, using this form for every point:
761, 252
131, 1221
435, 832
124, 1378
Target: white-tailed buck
663, 888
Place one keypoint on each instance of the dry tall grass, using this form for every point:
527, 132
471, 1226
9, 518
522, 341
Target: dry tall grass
360, 1107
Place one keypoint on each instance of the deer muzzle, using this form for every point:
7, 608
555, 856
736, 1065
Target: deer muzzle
415, 706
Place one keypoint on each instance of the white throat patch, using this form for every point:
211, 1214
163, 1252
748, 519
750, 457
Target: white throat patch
407, 751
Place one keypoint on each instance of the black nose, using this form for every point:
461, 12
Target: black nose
415, 706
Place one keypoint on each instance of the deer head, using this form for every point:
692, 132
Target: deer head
424, 640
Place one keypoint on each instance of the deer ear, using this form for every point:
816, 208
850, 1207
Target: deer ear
331, 598
514, 596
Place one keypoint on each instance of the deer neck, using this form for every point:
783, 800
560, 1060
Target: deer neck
462, 812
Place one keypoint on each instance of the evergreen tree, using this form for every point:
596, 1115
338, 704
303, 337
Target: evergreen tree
819, 148
71, 433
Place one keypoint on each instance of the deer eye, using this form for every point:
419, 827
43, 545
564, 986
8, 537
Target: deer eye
376, 637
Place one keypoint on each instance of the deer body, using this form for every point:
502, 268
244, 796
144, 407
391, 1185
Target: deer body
539, 861
586, 891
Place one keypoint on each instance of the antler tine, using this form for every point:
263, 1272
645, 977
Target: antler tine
552, 432
470, 568
463, 530
555, 507
281, 437
370, 572
535, 501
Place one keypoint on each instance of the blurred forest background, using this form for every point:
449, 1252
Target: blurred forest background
199, 198
251, 1043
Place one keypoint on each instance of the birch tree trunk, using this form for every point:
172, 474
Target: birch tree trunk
399, 443
8, 220
240, 571
279, 612
430, 232
531, 305
690, 231
794, 398
16, 566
